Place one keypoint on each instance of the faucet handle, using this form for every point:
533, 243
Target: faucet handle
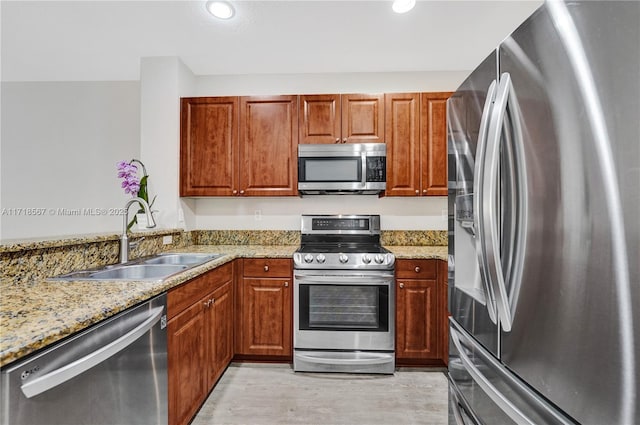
134, 244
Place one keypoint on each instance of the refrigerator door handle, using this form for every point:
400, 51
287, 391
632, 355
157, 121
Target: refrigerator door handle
491, 186
478, 215
498, 398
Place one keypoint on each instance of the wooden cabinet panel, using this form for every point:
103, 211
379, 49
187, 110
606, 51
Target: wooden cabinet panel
319, 118
443, 278
421, 323
186, 357
416, 269
434, 143
402, 129
268, 143
188, 293
417, 319
200, 339
220, 332
266, 319
267, 267
362, 118
208, 146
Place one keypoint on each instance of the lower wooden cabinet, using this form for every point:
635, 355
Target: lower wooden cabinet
420, 319
264, 310
200, 338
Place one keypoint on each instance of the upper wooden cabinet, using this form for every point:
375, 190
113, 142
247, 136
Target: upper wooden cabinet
416, 137
347, 118
209, 146
233, 146
268, 145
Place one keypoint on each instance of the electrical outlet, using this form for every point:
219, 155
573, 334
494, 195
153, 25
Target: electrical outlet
257, 215
166, 240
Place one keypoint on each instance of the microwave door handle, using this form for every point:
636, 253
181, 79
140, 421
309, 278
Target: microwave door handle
363, 155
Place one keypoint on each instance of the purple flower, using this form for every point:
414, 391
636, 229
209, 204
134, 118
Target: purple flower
129, 173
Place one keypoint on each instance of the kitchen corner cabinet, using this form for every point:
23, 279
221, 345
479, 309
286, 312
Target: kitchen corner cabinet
239, 146
200, 339
419, 314
264, 310
346, 118
416, 137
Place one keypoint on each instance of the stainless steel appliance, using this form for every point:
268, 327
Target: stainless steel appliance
113, 373
344, 297
355, 168
544, 147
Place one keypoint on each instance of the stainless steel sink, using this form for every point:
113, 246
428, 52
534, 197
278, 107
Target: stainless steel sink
186, 259
155, 268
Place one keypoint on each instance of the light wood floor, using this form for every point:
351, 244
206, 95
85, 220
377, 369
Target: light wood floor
273, 394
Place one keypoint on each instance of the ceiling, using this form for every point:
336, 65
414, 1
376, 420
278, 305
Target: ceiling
104, 40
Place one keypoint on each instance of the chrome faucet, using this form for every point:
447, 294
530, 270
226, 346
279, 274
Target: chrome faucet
124, 239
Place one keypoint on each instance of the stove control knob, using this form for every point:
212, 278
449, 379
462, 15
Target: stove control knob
343, 258
379, 258
308, 258
366, 259
320, 258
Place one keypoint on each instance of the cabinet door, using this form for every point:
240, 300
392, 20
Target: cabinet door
266, 318
362, 118
402, 129
220, 332
208, 146
186, 357
434, 143
268, 144
319, 118
417, 319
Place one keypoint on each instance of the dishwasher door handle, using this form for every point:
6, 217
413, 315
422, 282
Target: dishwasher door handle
77, 367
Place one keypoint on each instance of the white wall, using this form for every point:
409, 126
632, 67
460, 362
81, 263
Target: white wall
60, 142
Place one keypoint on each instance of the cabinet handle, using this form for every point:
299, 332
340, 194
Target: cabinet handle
207, 303
424, 191
401, 285
266, 268
242, 192
344, 140
337, 140
213, 301
417, 269
286, 284
417, 192
235, 192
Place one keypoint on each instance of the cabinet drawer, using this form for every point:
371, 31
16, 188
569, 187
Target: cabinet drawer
267, 267
188, 293
416, 269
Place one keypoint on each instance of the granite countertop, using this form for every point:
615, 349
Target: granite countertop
36, 314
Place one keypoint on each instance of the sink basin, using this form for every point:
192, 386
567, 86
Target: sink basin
138, 272
185, 259
155, 268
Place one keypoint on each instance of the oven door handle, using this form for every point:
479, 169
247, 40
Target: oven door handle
381, 358
344, 279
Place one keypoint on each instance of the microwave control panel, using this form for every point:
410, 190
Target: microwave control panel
376, 169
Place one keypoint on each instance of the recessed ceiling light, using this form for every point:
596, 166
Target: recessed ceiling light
220, 9
403, 6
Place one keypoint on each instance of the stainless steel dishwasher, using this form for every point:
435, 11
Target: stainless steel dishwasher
115, 372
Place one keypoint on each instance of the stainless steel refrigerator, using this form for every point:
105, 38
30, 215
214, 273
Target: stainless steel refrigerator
544, 197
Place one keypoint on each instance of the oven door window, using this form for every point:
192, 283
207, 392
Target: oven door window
344, 307
330, 169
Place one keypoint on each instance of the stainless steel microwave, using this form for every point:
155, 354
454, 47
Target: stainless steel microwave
357, 168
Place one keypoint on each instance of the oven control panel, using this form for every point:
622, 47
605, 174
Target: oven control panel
384, 261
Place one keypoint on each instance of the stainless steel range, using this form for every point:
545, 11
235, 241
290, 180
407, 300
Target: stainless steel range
344, 298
